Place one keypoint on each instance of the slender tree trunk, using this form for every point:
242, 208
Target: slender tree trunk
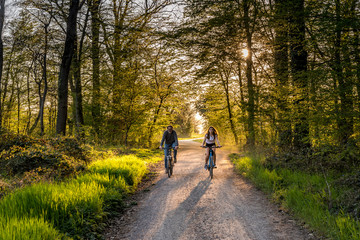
42, 105
2, 16
225, 83
155, 120
65, 68
298, 69
281, 69
249, 64
95, 56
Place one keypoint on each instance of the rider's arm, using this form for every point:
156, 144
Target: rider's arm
163, 139
217, 139
176, 139
203, 144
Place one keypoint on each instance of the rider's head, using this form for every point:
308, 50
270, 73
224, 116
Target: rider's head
170, 128
211, 131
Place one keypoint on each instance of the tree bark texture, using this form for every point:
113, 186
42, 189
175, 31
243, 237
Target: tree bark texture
95, 55
65, 68
249, 65
2, 17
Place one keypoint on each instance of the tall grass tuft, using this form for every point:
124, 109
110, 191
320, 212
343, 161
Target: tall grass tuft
28, 229
303, 194
129, 167
71, 207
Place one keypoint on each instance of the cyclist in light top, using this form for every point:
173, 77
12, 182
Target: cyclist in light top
210, 137
170, 139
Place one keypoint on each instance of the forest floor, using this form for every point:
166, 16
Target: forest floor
190, 205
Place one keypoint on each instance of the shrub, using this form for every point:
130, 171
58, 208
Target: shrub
18, 160
8, 140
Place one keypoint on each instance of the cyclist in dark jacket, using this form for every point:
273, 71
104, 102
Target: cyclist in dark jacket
170, 139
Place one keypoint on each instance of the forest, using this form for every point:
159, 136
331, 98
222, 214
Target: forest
283, 74
277, 77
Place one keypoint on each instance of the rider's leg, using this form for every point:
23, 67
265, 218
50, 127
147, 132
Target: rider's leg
175, 151
207, 155
166, 150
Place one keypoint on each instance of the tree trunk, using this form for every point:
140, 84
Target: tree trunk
42, 105
225, 83
65, 68
95, 56
251, 92
281, 70
154, 120
2, 16
298, 66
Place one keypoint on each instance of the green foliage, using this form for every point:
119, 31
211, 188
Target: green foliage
40, 158
28, 229
71, 207
129, 167
309, 196
78, 207
9, 140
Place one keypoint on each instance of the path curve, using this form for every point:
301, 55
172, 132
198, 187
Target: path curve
190, 205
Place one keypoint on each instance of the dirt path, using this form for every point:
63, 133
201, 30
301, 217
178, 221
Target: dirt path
191, 206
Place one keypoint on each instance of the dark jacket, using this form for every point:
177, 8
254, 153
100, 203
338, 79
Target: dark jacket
169, 138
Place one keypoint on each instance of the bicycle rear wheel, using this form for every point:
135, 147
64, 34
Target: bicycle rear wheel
169, 167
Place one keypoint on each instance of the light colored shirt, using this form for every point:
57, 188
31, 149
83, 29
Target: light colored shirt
210, 140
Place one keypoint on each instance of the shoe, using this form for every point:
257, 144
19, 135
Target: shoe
175, 160
215, 166
166, 171
206, 166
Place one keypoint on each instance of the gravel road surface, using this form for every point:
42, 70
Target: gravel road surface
190, 205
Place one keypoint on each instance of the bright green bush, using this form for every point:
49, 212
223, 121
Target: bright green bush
105, 180
129, 167
28, 229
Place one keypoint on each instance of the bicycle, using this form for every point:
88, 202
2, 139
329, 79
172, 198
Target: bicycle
170, 162
211, 164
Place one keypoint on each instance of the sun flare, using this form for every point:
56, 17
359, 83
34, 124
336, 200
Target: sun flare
245, 52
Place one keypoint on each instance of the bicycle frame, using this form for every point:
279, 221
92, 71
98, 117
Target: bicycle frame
211, 163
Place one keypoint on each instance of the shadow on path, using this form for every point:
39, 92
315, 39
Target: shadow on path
176, 221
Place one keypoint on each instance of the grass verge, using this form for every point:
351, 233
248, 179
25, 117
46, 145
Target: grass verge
76, 208
308, 197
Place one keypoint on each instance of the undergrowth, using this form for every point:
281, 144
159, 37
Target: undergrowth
310, 197
61, 194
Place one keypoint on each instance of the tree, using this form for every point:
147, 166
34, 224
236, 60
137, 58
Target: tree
281, 71
2, 17
298, 65
65, 68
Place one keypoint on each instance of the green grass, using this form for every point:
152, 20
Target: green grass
129, 167
306, 196
76, 208
29, 229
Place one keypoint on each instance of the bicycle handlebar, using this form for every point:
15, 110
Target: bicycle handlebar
211, 147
